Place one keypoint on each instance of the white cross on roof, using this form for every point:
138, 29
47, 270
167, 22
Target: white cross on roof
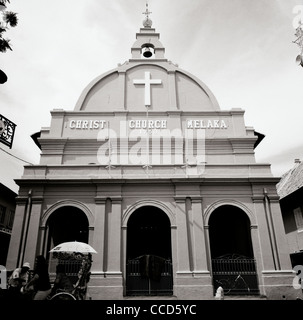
147, 81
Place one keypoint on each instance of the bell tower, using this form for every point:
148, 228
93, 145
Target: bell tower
147, 45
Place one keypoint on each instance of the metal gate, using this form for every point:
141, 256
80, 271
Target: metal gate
149, 276
236, 274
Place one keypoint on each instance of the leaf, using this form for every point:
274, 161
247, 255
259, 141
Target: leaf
10, 18
4, 45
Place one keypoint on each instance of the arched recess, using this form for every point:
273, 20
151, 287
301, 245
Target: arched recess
148, 233
148, 251
229, 232
224, 202
148, 202
66, 224
231, 250
66, 220
73, 203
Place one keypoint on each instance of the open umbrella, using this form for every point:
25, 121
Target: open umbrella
74, 246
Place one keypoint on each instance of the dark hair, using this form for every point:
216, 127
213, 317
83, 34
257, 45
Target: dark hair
41, 260
40, 263
60, 268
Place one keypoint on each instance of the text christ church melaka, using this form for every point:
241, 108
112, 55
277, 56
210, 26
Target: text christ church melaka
161, 182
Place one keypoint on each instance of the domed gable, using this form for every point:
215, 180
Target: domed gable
147, 79
159, 84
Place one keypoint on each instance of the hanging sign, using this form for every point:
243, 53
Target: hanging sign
7, 131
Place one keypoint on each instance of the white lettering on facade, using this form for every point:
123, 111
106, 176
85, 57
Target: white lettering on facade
206, 124
147, 124
86, 124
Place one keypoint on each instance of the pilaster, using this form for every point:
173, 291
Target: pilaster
267, 262
98, 241
31, 240
13, 256
199, 246
182, 236
114, 237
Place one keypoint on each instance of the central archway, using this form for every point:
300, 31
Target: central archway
149, 253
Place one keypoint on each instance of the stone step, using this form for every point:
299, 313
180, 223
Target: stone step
245, 297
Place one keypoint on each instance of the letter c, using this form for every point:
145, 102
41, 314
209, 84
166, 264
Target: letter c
162, 305
132, 124
151, 309
190, 309
72, 124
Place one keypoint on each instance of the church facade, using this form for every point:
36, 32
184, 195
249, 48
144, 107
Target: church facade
161, 182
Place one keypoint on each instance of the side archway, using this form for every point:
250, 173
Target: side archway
232, 256
229, 232
67, 223
66, 220
64, 203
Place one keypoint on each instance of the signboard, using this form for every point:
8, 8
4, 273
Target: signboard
7, 131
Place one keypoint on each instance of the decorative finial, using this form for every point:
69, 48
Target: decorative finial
147, 23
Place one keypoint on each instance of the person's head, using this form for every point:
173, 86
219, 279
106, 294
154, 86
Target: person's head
26, 266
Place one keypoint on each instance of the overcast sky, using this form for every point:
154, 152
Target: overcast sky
242, 50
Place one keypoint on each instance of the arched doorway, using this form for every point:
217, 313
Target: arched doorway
67, 223
233, 263
148, 253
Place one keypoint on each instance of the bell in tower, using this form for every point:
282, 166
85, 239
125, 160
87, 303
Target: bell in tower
147, 44
147, 51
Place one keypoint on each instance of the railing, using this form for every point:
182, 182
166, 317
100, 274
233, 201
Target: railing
137, 283
71, 268
235, 275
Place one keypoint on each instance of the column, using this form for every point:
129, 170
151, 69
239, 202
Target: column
182, 236
17, 234
279, 234
31, 240
114, 237
43, 232
123, 250
267, 262
98, 240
